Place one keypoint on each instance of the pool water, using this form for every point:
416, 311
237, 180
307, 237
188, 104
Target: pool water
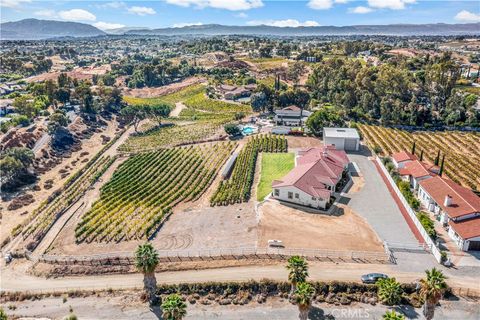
247, 130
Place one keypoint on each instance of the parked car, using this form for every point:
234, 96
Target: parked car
373, 277
275, 243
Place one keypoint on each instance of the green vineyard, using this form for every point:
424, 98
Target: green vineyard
45, 215
238, 187
145, 188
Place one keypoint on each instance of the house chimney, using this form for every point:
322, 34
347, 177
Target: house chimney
324, 152
448, 201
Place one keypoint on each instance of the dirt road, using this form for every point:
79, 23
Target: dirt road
179, 106
15, 278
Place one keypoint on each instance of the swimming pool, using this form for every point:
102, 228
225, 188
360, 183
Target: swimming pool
248, 130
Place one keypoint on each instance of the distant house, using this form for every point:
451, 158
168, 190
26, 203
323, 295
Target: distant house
399, 159
342, 138
456, 207
314, 179
230, 92
291, 116
6, 107
416, 171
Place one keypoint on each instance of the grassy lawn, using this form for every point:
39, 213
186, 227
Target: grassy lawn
274, 166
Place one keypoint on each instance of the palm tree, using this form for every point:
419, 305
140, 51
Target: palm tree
389, 291
392, 315
173, 308
432, 289
298, 271
146, 260
303, 297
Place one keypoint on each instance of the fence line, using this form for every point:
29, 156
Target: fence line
127, 258
431, 245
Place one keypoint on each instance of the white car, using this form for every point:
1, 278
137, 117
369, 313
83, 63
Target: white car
275, 243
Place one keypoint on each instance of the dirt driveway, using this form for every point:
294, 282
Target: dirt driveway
299, 229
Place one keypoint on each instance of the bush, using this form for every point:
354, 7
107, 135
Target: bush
377, 149
404, 187
427, 224
232, 129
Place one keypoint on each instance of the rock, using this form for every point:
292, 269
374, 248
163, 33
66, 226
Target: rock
225, 301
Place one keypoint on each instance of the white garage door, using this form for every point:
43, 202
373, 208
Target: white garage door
350, 144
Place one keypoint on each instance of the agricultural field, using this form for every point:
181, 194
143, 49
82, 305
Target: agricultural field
274, 166
264, 64
45, 215
200, 120
461, 149
238, 187
170, 99
145, 188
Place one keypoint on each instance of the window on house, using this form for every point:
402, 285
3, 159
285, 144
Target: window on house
277, 192
313, 198
297, 196
290, 195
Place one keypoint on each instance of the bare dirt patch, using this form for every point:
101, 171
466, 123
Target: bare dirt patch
303, 142
298, 229
160, 91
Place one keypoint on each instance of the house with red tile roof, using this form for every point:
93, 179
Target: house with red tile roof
399, 159
457, 207
416, 171
314, 179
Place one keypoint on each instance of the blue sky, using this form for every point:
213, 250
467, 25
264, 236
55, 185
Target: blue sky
167, 13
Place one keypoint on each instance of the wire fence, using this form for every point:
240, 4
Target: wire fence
269, 253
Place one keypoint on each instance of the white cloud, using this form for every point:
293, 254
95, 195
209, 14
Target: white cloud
141, 11
284, 23
242, 15
107, 26
77, 15
467, 16
46, 13
113, 5
360, 10
324, 4
390, 4
186, 24
13, 3
233, 5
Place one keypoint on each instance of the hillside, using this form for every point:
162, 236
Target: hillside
393, 29
31, 29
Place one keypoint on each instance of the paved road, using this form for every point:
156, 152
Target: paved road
375, 204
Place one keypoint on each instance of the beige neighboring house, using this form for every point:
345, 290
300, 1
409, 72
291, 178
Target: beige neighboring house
315, 178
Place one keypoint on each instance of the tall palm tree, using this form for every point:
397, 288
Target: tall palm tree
432, 289
389, 291
303, 297
392, 315
298, 271
173, 308
146, 260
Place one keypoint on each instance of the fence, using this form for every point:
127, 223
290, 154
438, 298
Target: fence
165, 256
431, 245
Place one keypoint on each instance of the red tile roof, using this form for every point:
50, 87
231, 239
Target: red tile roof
315, 168
464, 201
468, 228
415, 169
403, 156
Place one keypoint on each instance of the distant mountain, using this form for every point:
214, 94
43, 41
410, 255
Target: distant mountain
32, 29
392, 29
44, 29
124, 30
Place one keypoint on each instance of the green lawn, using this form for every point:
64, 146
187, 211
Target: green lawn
274, 166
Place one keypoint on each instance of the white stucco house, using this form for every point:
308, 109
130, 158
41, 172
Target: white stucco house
314, 179
342, 138
291, 116
456, 207
416, 171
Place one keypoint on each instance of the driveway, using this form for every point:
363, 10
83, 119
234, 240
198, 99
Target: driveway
374, 202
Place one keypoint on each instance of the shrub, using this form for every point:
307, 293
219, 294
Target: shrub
427, 224
389, 291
